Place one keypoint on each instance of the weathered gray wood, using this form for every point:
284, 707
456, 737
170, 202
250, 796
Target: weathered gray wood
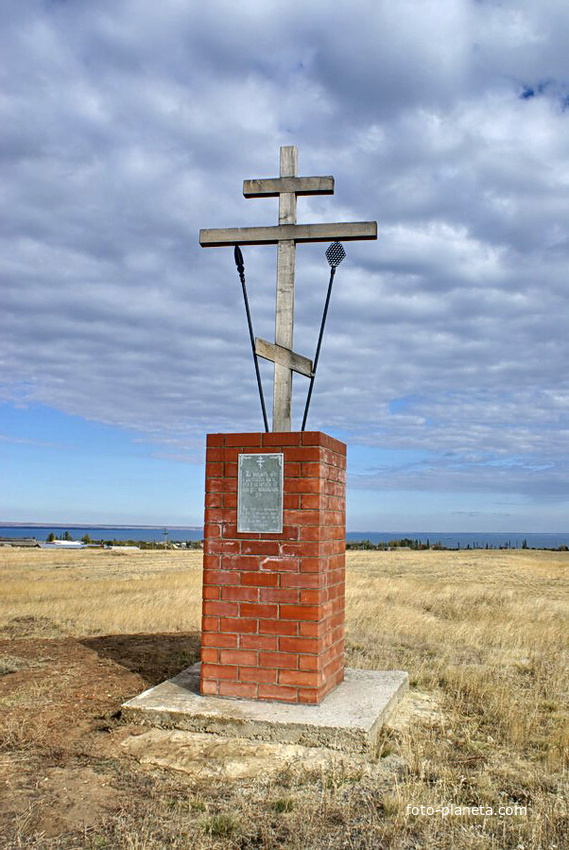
287, 234
284, 356
342, 232
273, 186
284, 314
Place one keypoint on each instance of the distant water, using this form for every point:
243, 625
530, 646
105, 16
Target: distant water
105, 532
463, 540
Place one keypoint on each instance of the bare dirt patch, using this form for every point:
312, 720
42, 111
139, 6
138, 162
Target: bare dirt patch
60, 741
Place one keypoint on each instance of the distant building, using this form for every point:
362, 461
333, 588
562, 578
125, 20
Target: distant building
19, 541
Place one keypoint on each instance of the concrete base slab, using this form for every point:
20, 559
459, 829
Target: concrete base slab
348, 719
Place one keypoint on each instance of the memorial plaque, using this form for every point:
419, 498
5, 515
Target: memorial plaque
260, 494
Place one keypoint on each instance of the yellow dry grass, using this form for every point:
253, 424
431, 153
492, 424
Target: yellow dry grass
98, 591
483, 634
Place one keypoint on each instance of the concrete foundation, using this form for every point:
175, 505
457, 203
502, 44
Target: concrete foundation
348, 719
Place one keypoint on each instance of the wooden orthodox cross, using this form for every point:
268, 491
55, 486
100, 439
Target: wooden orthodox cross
287, 187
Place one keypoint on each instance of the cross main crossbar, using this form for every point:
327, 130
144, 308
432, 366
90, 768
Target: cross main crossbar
272, 235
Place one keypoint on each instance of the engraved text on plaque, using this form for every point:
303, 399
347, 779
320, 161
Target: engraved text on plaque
260, 493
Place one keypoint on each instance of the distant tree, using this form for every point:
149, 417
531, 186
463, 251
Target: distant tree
67, 536
50, 537
85, 539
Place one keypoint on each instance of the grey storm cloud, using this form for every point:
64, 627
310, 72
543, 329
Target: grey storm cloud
127, 126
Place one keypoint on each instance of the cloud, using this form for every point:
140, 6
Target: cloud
126, 127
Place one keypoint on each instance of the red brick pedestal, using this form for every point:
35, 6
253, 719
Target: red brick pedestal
273, 604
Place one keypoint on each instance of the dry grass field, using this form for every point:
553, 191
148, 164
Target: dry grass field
483, 635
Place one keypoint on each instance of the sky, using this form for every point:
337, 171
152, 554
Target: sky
128, 125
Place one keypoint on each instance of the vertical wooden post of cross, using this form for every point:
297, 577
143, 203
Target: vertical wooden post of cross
284, 319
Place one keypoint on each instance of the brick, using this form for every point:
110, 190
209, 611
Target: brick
333, 667
247, 439
278, 627
257, 609
245, 657
310, 696
230, 453
297, 612
290, 532
214, 500
240, 562
219, 639
278, 660
291, 470
219, 577
265, 642
260, 547
310, 501
210, 624
313, 565
223, 547
284, 694
209, 654
237, 689
307, 629
215, 440
258, 674
217, 515
282, 438
304, 453
279, 565
312, 596
301, 678
209, 687
218, 671
280, 594
258, 579
240, 594
211, 592
306, 550
309, 662
211, 562
215, 485
312, 484
303, 518
298, 644
311, 470
239, 625
311, 532
301, 580
318, 438
223, 609
228, 485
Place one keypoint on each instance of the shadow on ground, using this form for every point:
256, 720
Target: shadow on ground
154, 657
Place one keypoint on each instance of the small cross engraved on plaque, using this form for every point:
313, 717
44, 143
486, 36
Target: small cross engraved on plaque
287, 187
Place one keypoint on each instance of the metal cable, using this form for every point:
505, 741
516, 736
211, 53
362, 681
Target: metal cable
335, 254
241, 270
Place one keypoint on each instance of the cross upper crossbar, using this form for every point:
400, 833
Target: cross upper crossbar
287, 187
273, 186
